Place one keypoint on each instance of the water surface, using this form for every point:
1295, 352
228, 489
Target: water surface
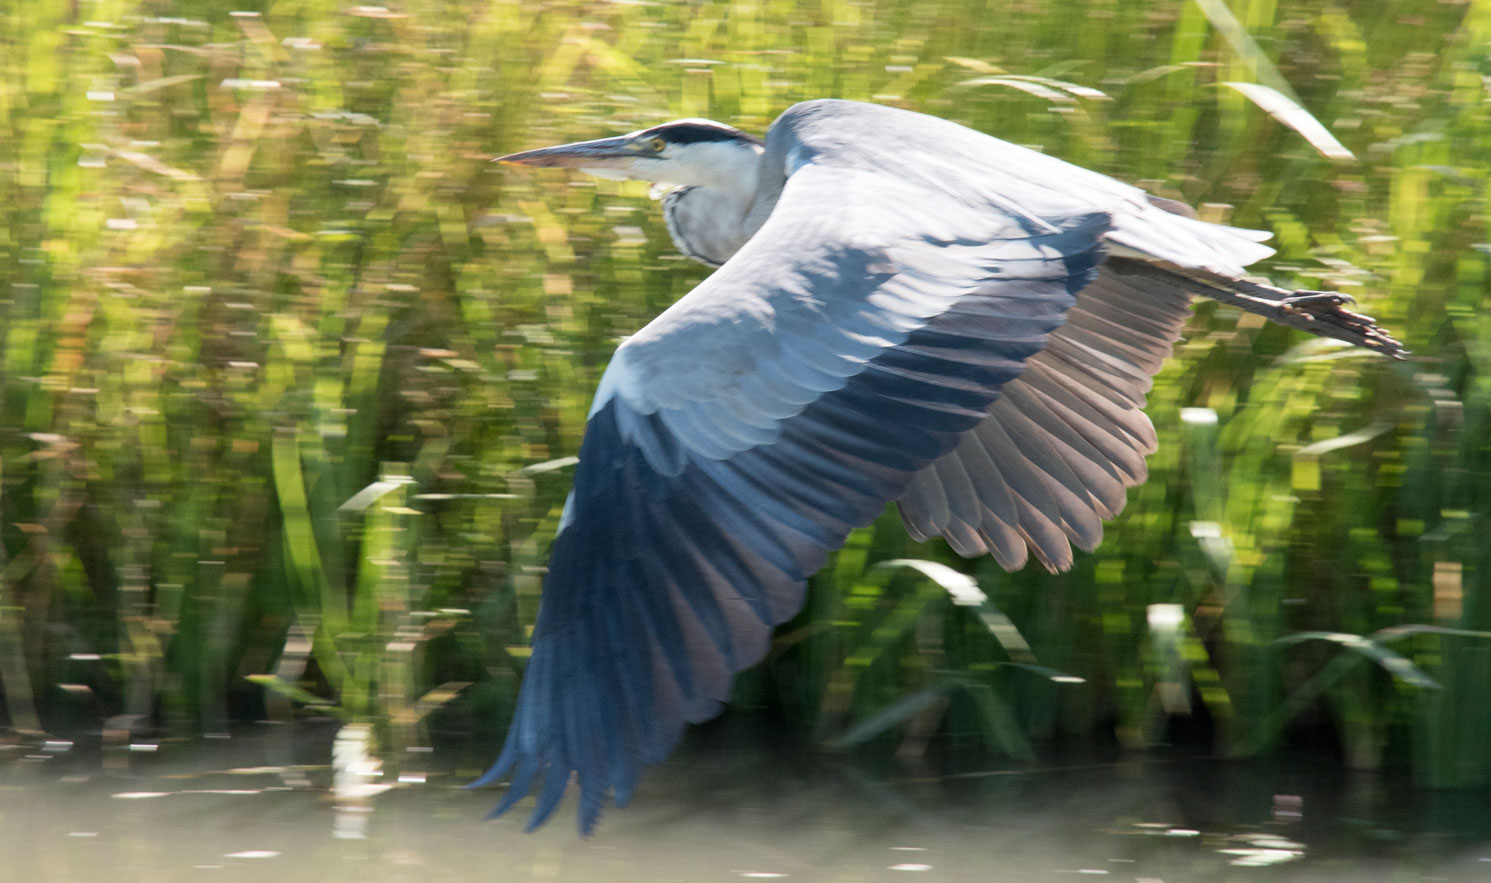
738, 815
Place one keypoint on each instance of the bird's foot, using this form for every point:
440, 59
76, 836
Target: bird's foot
1322, 313
1327, 311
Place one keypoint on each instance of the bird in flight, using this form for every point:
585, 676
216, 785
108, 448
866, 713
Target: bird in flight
905, 310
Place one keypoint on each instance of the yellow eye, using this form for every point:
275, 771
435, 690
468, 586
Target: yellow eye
657, 144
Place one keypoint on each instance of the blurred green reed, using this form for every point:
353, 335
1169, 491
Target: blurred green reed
289, 369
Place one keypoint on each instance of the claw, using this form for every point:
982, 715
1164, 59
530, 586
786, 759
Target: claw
1307, 299
1324, 312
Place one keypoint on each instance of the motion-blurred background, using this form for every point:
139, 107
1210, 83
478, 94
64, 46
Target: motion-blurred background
291, 372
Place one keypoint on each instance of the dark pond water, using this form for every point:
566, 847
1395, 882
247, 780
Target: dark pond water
735, 815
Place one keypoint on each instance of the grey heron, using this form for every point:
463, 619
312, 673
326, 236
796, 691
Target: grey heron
905, 310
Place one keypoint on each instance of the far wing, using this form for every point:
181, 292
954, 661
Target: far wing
1062, 444
738, 438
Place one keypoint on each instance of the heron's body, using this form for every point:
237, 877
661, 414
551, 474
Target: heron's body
905, 310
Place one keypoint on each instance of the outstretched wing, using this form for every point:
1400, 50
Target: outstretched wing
737, 439
1065, 440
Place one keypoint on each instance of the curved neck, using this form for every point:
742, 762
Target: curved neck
708, 224
711, 217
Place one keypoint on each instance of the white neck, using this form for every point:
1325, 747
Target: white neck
709, 217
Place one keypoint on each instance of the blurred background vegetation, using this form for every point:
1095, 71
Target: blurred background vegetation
290, 370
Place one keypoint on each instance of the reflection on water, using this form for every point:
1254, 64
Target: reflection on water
732, 815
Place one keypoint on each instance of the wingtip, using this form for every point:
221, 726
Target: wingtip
505, 762
515, 791
587, 821
490, 777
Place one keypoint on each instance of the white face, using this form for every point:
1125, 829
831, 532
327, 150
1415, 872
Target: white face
695, 164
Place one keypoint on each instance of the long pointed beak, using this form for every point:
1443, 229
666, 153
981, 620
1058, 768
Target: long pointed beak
602, 153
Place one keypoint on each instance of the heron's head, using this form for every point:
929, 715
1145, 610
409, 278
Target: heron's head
691, 153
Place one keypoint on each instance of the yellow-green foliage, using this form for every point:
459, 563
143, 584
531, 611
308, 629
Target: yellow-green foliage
278, 343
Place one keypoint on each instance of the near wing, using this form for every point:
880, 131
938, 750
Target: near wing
738, 438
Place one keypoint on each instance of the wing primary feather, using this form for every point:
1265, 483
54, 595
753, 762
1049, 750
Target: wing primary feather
730, 567
1108, 420
1005, 543
523, 778
550, 793
1020, 475
663, 631
1073, 502
962, 501
1096, 473
703, 627
924, 510
786, 496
